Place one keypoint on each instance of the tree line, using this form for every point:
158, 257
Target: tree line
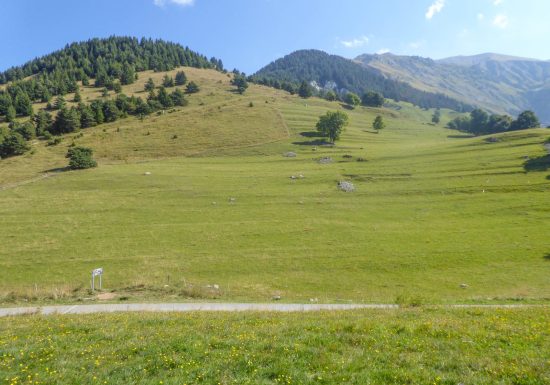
479, 122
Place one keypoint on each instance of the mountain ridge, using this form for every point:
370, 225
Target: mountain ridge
499, 83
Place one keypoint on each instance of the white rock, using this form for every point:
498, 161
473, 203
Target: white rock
346, 186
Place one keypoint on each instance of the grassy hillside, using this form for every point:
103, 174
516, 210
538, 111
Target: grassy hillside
216, 119
432, 209
360, 347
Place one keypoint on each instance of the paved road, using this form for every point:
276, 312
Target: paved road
188, 307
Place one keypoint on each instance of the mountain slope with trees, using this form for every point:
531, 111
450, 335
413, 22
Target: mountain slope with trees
347, 75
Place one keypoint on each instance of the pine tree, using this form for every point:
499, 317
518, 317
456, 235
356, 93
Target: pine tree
23, 104
11, 114
67, 120
178, 98
43, 122
128, 75
150, 85
163, 98
192, 88
181, 79
77, 98
117, 87
13, 144
59, 103
167, 81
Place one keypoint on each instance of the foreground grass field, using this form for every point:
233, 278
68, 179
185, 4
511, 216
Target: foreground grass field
414, 346
436, 217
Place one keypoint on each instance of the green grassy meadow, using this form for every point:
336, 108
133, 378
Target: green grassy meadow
428, 346
433, 208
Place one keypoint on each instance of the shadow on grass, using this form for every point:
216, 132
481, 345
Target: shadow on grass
547, 257
537, 164
316, 142
347, 106
311, 134
57, 169
320, 141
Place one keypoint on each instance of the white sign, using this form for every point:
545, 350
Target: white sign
95, 273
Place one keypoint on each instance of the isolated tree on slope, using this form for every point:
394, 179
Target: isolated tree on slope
192, 88
149, 85
181, 79
436, 117
352, 99
240, 82
332, 124
378, 123
80, 158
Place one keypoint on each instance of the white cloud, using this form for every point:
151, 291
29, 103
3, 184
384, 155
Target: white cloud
480, 16
436, 7
500, 21
497, 2
416, 44
383, 51
357, 42
183, 3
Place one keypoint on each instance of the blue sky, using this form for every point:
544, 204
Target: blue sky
248, 34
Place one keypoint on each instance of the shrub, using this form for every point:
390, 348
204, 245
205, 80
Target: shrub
80, 158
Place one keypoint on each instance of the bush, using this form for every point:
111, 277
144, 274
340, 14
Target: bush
55, 141
80, 158
13, 144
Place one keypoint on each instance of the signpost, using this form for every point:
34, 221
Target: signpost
95, 273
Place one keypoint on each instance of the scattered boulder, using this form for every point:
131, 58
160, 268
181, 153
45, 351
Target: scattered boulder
232, 200
289, 154
325, 160
346, 186
492, 139
293, 177
147, 173
347, 156
276, 298
463, 286
361, 159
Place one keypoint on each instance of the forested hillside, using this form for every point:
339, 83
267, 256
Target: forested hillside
318, 66
110, 62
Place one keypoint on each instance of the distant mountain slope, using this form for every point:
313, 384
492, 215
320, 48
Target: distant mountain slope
318, 66
482, 58
499, 83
